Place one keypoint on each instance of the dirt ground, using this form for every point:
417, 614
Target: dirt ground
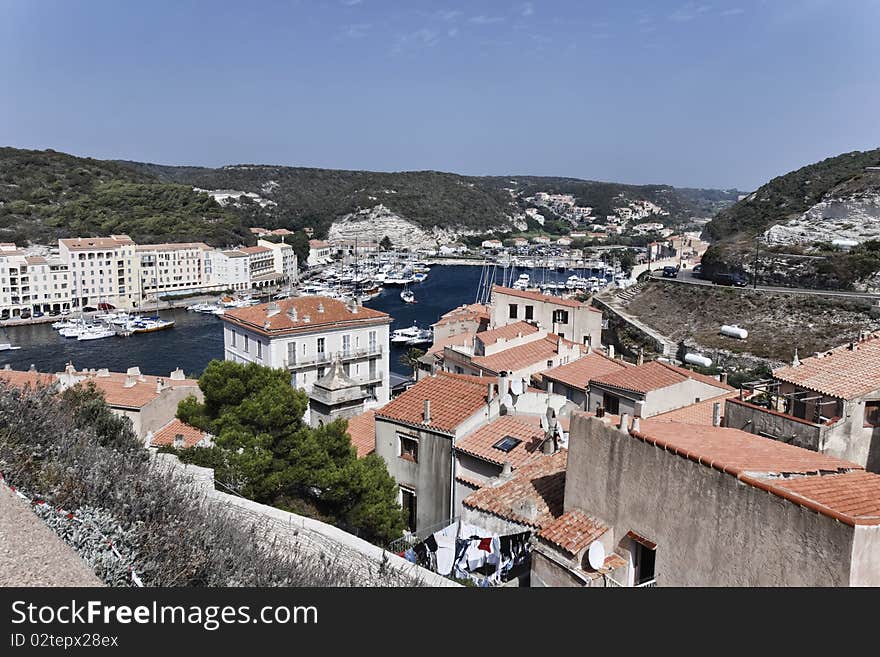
777, 323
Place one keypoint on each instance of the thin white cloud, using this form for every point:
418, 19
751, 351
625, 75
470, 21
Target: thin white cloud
357, 31
527, 9
351, 3
422, 38
485, 20
449, 14
452, 32
735, 11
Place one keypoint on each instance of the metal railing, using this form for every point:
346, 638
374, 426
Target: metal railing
328, 356
610, 582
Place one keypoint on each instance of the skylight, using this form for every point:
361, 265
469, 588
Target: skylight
507, 443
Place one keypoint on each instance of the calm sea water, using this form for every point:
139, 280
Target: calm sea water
196, 338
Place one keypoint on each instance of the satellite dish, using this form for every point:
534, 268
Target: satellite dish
516, 387
596, 555
507, 400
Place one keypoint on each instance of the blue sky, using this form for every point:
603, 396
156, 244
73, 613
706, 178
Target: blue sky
714, 94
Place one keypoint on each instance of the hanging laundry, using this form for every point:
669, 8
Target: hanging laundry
485, 544
410, 555
431, 543
445, 540
421, 551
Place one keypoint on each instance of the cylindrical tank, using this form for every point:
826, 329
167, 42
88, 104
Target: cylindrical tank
734, 331
697, 359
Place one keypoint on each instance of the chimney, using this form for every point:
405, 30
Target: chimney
795, 361
32, 368
600, 411
639, 409
505, 470
426, 416
130, 381
641, 358
133, 371
637, 424
294, 316
160, 385
611, 351
178, 440
502, 384
723, 377
491, 392
272, 309
716, 414
7, 367
177, 375
624, 423
549, 445
320, 307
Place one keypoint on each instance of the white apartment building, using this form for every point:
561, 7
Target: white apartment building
30, 283
102, 270
261, 263
319, 253
306, 335
285, 262
172, 268
228, 270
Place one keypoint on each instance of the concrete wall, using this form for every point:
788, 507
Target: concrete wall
548, 572
160, 411
659, 401
492, 524
575, 395
710, 529
761, 421
865, 554
849, 439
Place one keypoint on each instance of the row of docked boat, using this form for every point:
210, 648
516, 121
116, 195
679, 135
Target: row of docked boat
109, 325
222, 305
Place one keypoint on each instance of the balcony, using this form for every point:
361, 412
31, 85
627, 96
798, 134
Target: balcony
325, 357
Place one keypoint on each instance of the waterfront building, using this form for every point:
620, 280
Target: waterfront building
319, 253
261, 266
228, 270
284, 262
573, 320
102, 270
31, 283
304, 335
173, 268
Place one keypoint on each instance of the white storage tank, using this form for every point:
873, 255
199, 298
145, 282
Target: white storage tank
697, 359
734, 331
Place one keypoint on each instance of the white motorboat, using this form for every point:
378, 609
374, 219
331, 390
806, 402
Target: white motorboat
149, 325
401, 336
96, 333
5, 346
522, 282
424, 336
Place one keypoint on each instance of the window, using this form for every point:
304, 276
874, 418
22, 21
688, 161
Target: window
872, 414
346, 344
530, 312
246, 344
512, 310
232, 338
321, 372
409, 448
507, 443
259, 349
408, 503
372, 341
560, 317
611, 403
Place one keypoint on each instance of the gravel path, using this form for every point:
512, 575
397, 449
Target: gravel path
31, 554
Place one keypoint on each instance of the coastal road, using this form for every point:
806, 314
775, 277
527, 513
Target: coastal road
686, 276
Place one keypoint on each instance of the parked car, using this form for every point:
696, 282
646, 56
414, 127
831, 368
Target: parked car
89, 309
65, 312
25, 314
54, 313
106, 306
697, 271
729, 279
670, 272
37, 313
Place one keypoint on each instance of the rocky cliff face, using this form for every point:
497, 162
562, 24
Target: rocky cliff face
377, 222
855, 217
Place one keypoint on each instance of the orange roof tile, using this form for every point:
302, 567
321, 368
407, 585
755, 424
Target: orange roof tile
473, 311
853, 497
27, 379
699, 413
87, 243
173, 246
548, 298
653, 375
321, 312
480, 443
251, 250
167, 435
577, 374
842, 372
573, 531
465, 339
508, 332
362, 432
516, 358
454, 398
541, 482
116, 393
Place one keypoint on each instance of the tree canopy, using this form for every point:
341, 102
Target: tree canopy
264, 451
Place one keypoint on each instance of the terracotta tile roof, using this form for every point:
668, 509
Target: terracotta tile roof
577, 374
113, 385
509, 332
460, 340
35, 260
235, 254
541, 482
27, 379
173, 246
853, 498
516, 358
734, 451
87, 243
318, 244
454, 398
573, 531
699, 413
473, 311
166, 436
251, 250
362, 431
548, 298
842, 372
469, 481
479, 443
335, 315
653, 375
